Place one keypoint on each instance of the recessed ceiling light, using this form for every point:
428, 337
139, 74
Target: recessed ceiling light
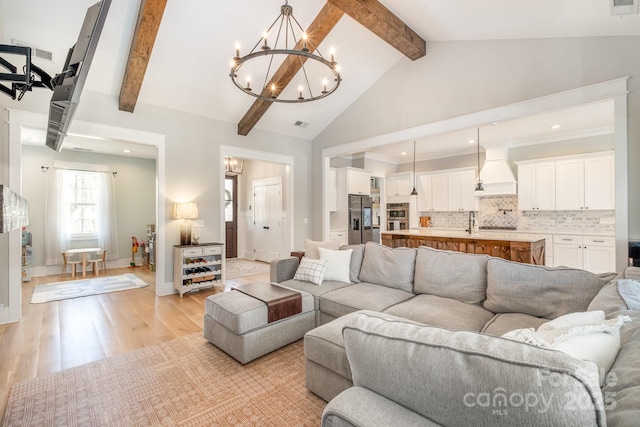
554, 127
404, 153
127, 151
472, 141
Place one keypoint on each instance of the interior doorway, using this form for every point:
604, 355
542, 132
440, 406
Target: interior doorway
231, 215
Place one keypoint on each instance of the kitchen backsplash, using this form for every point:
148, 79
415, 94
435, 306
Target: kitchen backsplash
502, 211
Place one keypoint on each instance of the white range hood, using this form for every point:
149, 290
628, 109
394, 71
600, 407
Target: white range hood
497, 173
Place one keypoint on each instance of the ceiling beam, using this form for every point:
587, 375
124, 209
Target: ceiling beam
144, 37
327, 18
382, 22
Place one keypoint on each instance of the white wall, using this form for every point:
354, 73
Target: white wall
134, 188
192, 161
458, 78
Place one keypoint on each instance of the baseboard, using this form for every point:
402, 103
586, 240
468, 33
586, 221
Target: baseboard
48, 270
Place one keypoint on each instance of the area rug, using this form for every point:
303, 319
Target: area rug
186, 382
239, 267
82, 288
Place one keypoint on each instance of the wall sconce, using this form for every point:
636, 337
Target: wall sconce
233, 166
186, 211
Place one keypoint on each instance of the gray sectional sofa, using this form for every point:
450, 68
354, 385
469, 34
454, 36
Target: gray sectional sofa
415, 339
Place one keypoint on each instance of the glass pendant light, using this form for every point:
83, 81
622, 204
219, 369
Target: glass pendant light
414, 192
479, 188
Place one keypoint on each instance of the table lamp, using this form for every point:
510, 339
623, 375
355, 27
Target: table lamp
186, 211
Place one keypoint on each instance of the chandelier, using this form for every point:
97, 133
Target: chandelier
317, 78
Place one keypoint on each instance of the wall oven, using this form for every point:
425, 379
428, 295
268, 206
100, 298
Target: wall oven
397, 216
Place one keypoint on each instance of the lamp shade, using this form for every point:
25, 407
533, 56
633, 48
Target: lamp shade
185, 211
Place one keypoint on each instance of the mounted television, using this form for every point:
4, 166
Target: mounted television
69, 83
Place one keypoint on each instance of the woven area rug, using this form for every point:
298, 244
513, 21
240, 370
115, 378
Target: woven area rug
239, 267
81, 288
186, 382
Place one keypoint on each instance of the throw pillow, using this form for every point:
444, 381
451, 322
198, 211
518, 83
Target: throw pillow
629, 290
311, 247
338, 264
585, 336
311, 270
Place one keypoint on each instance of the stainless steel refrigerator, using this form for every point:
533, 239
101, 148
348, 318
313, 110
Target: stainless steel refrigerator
360, 214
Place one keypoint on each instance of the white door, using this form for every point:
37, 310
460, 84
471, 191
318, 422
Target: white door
267, 222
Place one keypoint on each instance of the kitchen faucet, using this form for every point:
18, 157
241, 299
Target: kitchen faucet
472, 221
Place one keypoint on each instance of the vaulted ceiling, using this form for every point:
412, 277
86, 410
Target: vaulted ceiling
188, 64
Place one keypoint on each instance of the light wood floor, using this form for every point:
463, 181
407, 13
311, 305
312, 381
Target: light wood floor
62, 334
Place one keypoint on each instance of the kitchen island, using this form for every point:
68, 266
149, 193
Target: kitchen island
525, 248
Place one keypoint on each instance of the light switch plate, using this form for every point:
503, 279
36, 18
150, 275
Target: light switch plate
199, 223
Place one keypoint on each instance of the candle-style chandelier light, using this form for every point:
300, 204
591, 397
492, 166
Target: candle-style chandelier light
316, 79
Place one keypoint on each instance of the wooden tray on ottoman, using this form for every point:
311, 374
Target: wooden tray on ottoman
281, 302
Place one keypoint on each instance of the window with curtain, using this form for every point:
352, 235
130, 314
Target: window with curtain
80, 206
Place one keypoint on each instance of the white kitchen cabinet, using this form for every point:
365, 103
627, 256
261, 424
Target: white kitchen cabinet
461, 186
592, 253
338, 236
536, 186
332, 190
358, 182
399, 184
585, 183
433, 192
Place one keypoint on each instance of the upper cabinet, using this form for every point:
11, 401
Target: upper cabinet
358, 181
399, 184
585, 183
536, 186
461, 186
432, 192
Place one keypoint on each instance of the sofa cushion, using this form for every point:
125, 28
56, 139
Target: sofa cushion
537, 290
314, 290
388, 267
356, 261
311, 247
502, 323
442, 312
451, 275
466, 378
361, 296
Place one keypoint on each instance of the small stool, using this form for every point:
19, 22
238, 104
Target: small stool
238, 324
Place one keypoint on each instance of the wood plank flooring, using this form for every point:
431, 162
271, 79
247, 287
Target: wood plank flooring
62, 334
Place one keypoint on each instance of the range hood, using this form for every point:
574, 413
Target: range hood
497, 173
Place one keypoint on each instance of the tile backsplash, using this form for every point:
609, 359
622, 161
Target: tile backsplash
502, 211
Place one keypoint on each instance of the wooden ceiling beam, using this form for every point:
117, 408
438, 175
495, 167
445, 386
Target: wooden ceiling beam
144, 37
382, 22
319, 29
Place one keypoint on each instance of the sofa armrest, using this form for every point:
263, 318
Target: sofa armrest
283, 269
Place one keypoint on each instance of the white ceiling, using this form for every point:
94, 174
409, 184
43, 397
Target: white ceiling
189, 66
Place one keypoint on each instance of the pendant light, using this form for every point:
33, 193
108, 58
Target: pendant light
414, 192
479, 188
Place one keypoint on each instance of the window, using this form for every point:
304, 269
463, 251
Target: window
81, 191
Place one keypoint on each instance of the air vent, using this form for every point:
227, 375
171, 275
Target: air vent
82, 149
301, 124
624, 7
36, 52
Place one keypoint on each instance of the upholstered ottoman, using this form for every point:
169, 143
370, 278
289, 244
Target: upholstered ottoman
238, 324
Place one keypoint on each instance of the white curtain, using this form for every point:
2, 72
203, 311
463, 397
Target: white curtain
57, 238
107, 230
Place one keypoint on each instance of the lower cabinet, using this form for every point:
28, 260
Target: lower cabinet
197, 266
339, 236
592, 253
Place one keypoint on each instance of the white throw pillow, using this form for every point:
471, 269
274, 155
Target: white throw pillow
629, 290
311, 270
339, 263
311, 247
585, 336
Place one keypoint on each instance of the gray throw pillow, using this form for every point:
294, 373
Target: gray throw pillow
388, 267
356, 261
